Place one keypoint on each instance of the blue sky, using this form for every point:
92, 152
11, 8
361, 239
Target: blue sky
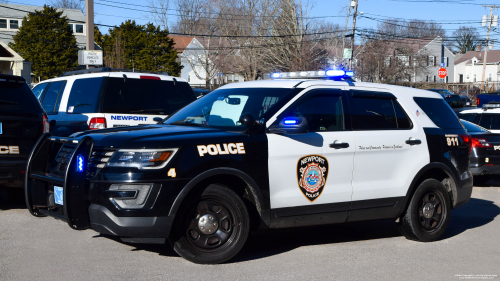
450, 13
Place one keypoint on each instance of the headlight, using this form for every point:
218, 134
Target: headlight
142, 158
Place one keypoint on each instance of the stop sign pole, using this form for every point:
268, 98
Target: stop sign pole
442, 73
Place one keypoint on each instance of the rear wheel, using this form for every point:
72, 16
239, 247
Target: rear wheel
428, 213
211, 228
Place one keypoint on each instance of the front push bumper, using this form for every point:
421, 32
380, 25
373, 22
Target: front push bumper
77, 210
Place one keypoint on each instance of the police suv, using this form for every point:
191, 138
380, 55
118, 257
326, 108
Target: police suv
270, 154
487, 117
106, 98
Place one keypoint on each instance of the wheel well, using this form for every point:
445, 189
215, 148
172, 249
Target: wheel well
440, 175
238, 185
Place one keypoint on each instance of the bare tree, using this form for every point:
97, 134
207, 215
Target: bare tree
195, 16
393, 28
465, 38
160, 12
68, 4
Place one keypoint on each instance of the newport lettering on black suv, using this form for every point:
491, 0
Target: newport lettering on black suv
263, 154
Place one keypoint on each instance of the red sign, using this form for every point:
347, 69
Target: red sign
442, 73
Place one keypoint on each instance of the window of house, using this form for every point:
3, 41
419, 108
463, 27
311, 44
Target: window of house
489, 78
14, 24
467, 76
426, 78
79, 28
474, 77
3, 23
431, 61
71, 27
434, 78
447, 61
236, 78
446, 79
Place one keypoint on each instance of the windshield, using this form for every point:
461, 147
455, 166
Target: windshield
470, 127
223, 108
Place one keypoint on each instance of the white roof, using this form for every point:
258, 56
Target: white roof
481, 110
133, 75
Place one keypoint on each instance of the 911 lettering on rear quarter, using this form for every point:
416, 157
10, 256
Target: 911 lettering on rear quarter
312, 172
452, 140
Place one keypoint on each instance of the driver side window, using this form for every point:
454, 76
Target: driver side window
323, 112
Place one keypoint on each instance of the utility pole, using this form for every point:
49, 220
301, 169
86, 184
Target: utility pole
353, 30
89, 17
490, 21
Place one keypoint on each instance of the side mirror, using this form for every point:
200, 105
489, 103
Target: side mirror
290, 126
158, 120
247, 119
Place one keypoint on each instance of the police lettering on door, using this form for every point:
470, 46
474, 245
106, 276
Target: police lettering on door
128, 118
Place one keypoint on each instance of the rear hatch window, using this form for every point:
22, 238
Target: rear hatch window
439, 112
145, 96
15, 94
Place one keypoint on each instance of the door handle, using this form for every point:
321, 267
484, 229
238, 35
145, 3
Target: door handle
413, 142
338, 145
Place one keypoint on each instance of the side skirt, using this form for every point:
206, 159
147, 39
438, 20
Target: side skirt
384, 208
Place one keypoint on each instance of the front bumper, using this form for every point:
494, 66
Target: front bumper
103, 221
85, 203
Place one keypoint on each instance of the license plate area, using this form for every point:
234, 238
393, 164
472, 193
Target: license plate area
58, 195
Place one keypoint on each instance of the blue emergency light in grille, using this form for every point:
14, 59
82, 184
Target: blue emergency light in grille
80, 163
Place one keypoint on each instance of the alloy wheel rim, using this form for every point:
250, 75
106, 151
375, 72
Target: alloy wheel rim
431, 211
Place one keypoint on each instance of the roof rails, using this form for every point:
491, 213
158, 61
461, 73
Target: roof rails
109, 69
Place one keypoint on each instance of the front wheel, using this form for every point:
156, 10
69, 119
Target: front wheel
211, 228
428, 213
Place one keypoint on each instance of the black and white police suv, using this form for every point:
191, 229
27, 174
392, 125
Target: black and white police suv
487, 117
273, 154
105, 98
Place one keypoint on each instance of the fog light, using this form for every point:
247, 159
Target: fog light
486, 159
138, 202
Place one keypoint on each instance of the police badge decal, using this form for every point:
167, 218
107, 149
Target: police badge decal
312, 172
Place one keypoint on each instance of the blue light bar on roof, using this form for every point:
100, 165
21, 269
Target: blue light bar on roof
349, 73
332, 73
275, 75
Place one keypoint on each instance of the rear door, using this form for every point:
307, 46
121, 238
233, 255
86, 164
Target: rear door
390, 149
21, 122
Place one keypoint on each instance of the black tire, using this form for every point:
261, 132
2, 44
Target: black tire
229, 226
481, 179
428, 213
16, 195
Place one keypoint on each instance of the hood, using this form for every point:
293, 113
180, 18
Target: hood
157, 136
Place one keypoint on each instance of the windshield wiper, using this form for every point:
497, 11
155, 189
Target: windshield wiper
159, 111
7, 102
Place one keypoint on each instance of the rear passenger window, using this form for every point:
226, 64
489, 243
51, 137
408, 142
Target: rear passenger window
84, 95
439, 112
373, 112
51, 99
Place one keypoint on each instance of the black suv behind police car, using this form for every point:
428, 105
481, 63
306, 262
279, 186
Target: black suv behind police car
261, 154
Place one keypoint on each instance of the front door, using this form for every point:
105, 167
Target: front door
313, 168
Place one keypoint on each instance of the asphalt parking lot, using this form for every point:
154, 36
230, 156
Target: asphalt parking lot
47, 249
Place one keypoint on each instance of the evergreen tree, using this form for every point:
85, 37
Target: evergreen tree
46, 40
140, 47
98, 38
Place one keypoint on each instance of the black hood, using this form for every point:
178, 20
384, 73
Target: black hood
157, 136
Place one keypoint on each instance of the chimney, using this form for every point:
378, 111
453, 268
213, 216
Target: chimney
479, 48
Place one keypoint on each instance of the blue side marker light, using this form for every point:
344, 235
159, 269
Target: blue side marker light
79, 163
290, 121
275, 75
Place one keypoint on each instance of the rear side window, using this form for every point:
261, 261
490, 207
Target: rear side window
16, 95
51, 99
145, 96
84, 95
376, 113
439, 112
